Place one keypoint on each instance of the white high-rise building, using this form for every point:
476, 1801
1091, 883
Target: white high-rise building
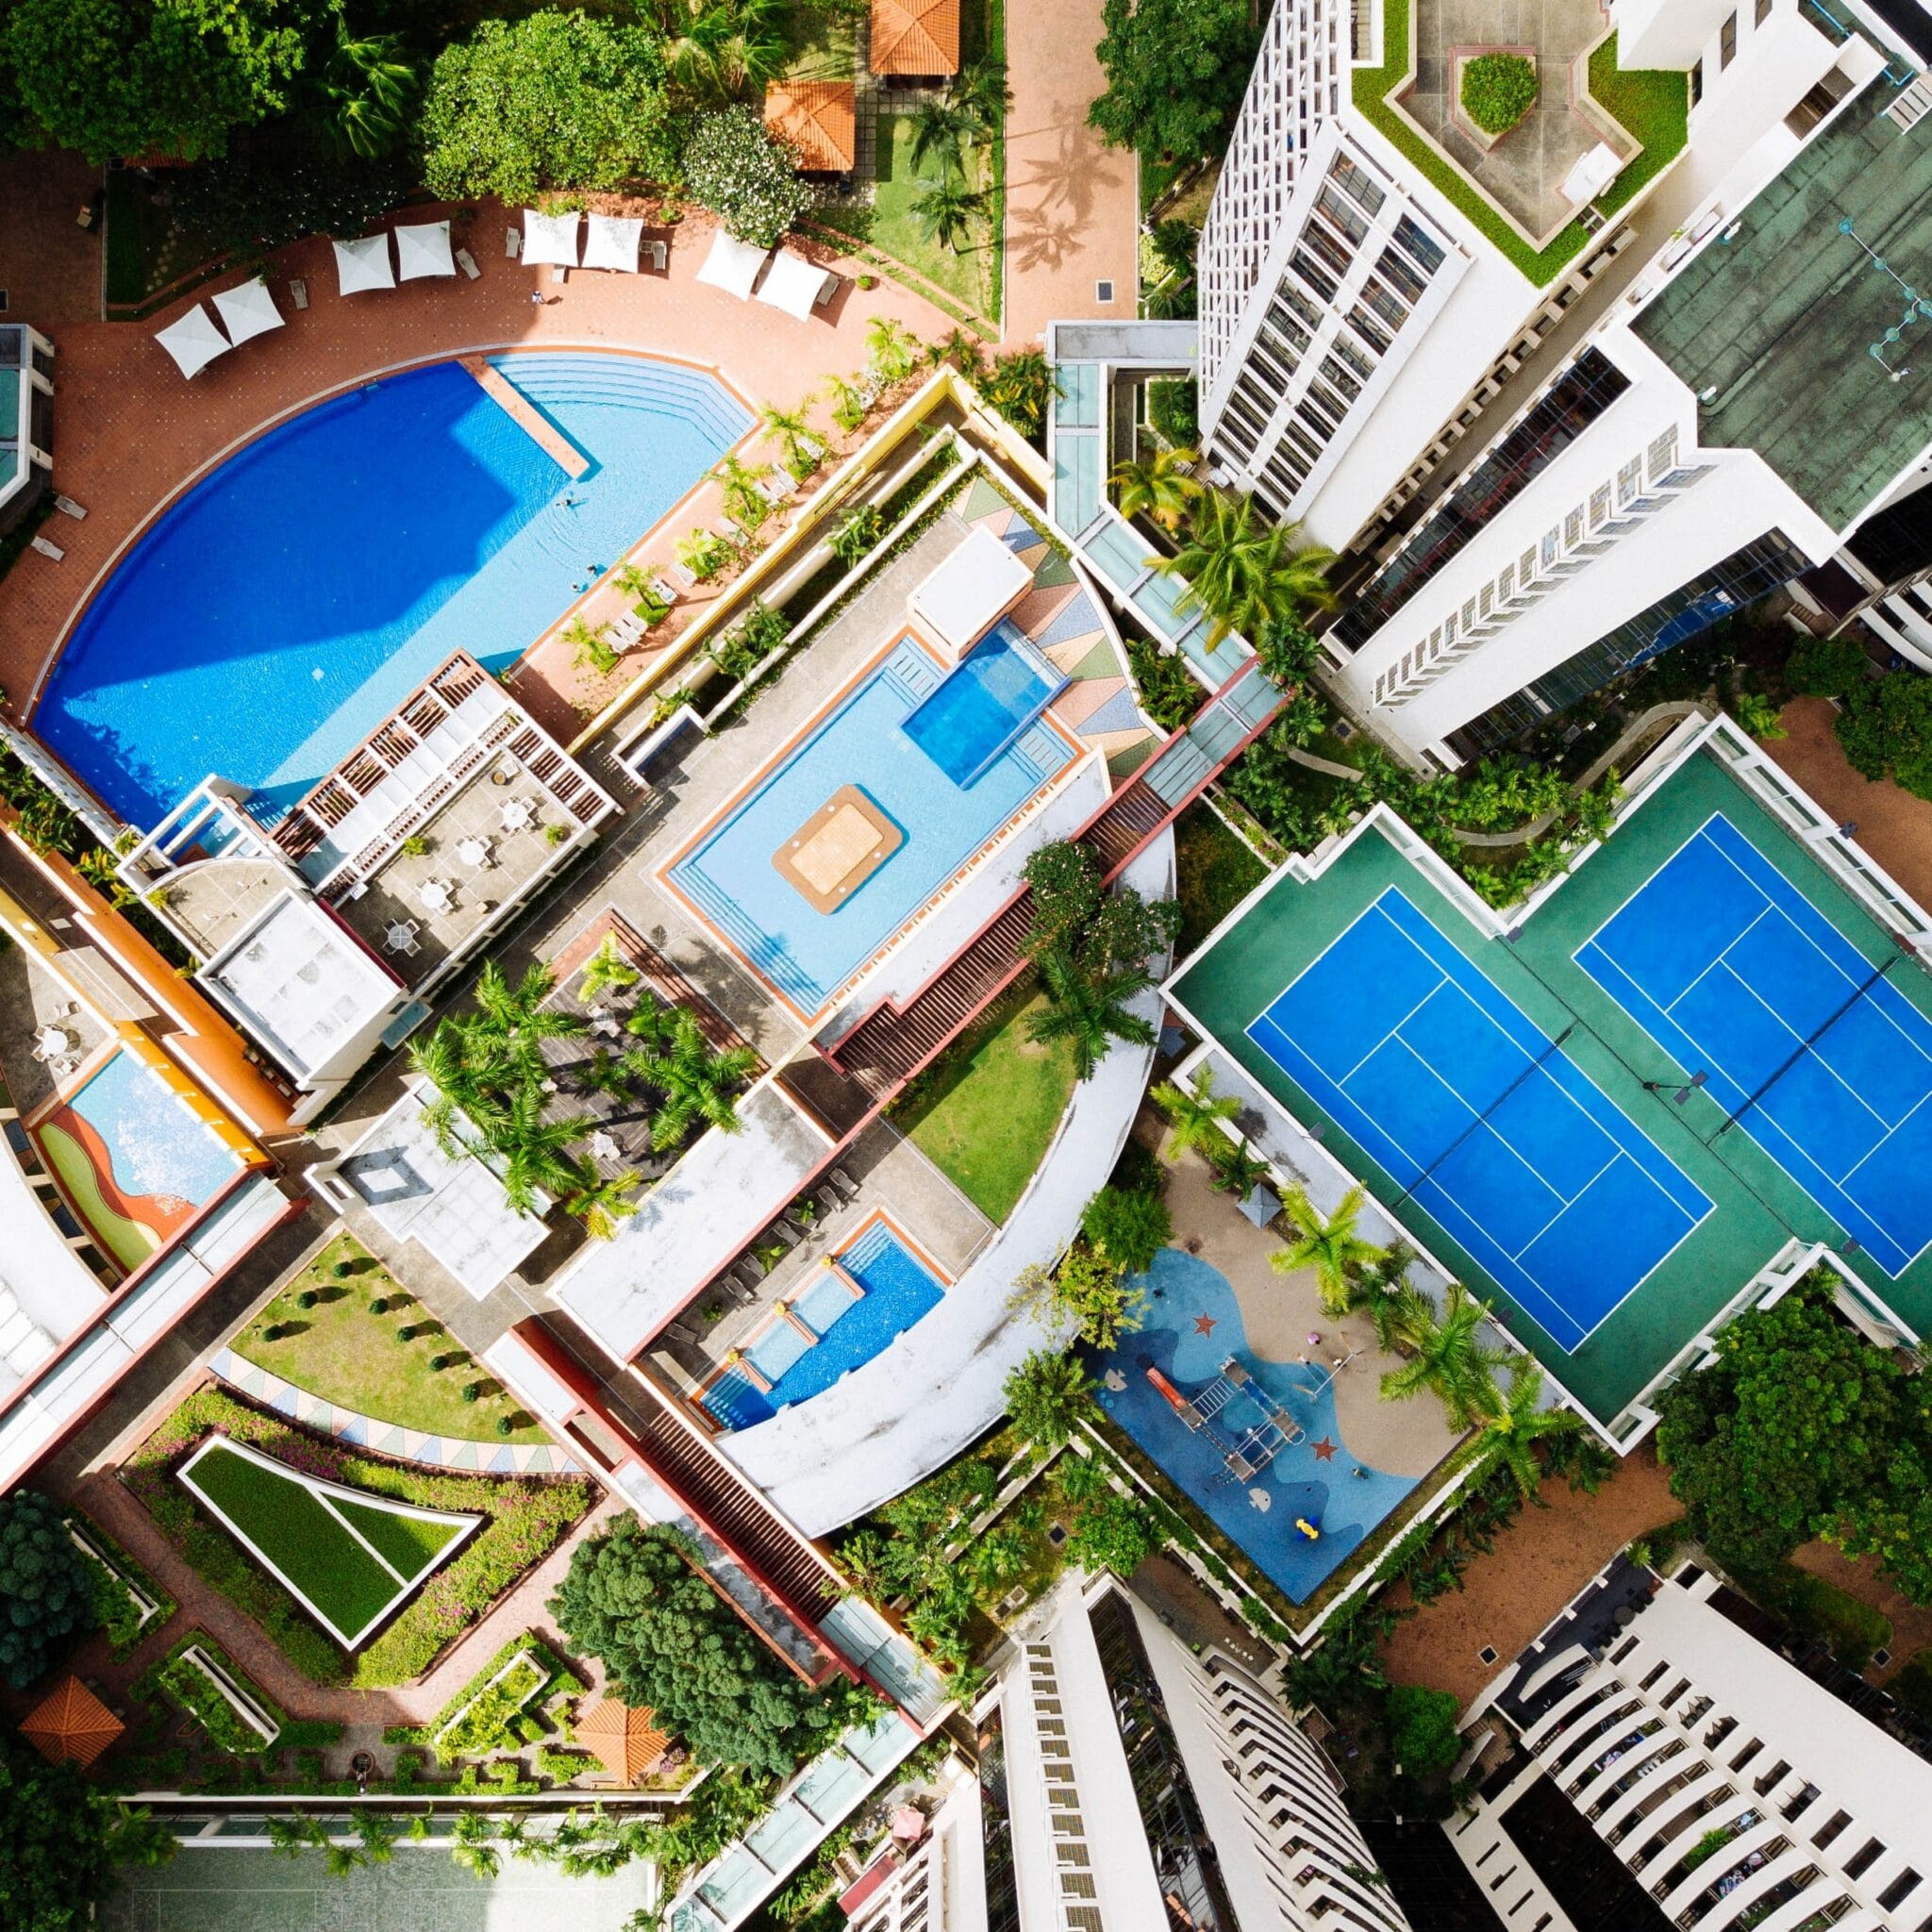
1674, 1770
1128, 1785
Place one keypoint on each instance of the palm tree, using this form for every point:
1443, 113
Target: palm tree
719, 48
472, 1849
650, 1020
1194, 1116
1242, 569
848, 400
695, 1080
979, 94
1238, 1171
891, 352
1512, 1422
747, 505
366, 87
1089, 1010
633, 581
589, 645
792, 430
1450, 1359
1331, 1247
1163, 488
944, 207
939, 131
517, 1016
1047, 1395
600, 1201
608, 971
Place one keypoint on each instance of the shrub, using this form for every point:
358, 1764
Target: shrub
342, 1270
1498, 90
48, 1588
745, 176
406, 1332
1173, 408
191, 1687
1422, 1728
306, 1299
857, 534
380, 1305
504, 1426
440, 1362
473, 1392
1826, 667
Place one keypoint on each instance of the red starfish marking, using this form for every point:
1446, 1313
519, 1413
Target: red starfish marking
1204, 1325
1324, 1450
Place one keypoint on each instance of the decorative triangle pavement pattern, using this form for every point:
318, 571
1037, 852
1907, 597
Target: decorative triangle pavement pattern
1077, 618
1035, 612
983, 500
1085, 657
1117, 712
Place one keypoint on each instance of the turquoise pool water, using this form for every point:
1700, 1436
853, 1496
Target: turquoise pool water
998, 689
806, 954
280, 610
155, 1145
898, 1289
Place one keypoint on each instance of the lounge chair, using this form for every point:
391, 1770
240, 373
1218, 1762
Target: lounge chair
844, 1183
659, 253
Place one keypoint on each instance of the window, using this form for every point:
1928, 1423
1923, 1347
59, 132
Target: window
1102, 291
1763, 12
1696, 82
1863, 1858
1727, 43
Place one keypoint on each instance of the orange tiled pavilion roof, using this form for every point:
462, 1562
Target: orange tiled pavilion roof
915, 36
71, 1722
820, 118
624, 1739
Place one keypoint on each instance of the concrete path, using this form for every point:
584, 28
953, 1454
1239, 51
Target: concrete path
1073, 203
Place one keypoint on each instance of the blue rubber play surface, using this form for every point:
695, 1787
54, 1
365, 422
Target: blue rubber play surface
1480, 1118
1806, 1043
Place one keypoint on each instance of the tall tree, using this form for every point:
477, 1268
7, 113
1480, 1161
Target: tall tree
697, 1083
367, 87
1047, 1396
1450, 1359
1175, 73
945, 208
1129, 1225
1162, 487
1091, 1011
1328, 1244
1194, 1115
47, 1587
939, 132
1243, 570
1513, 1421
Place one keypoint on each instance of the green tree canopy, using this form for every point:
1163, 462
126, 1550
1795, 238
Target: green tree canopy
670, 1643
47, 1586
1129, 1225
117, 78
1046, 1395
1422, 1728
554, 100
1885, 725
745, 177
1175, 73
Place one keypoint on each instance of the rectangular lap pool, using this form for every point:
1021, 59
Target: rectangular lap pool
907, 827
995, 692
865, 1298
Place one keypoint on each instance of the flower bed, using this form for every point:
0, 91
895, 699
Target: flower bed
524, 1518
201, 1684
132, 1601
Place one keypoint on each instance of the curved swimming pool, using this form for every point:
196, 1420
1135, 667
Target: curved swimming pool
280, 610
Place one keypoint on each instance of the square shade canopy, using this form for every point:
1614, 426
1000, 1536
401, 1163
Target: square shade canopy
795, 285
363, 264
422, 249
249, 310
549, 240
732, 265
611, 241
194, 340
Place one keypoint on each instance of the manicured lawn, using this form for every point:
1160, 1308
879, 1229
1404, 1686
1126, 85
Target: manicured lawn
145, 248
1216, 871
895, 228
339, 1351
1654, 104
1817, 1608
821, 43
985, 1110
410, 1544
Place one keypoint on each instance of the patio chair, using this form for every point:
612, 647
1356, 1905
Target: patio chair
467, 262
298, 293
627, 629
659, 253
666, 589
750, 1265
844, 1183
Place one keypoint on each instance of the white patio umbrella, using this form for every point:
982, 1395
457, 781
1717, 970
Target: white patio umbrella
249, 310
363, 264
549, 238
422, 249
611, 241
194, 340
732, 265
795, 285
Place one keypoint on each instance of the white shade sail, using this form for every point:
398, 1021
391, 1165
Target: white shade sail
794, 284
732, 265
194, 341
422, 249
550, 238
611, 241
249, 310
363, 264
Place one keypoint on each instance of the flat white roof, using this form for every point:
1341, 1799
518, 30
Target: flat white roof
456, 1210
301, 983
693, 1222
979, 581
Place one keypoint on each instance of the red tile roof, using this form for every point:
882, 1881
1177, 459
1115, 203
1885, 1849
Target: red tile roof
820, 118
915, 36
71, 1722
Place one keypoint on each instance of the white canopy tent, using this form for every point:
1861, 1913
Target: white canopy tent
249, 310
422, 249
194, 340
549, 238
363, 264
732, 265
795, 285
611, 241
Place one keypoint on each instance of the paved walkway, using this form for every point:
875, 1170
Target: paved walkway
129, 432
1073, 203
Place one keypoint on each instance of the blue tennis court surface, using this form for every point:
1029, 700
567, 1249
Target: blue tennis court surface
1828, 1066
1485, 1121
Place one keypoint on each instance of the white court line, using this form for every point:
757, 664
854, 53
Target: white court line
1616, 1156
1710, 966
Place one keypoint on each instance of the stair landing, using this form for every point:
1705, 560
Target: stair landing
531, 421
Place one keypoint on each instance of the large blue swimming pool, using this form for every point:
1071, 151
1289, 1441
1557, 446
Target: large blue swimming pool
807, 954
279, 610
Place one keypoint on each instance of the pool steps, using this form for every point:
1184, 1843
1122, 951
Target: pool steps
532, 422
688, 394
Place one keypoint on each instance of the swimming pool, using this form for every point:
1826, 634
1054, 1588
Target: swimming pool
998, 689
295, 595
896, 1289
731, 878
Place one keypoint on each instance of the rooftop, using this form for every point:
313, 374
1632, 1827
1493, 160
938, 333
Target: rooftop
818, 117
1780, 324
915, 37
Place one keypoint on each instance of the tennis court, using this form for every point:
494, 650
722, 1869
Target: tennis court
1480, 1118
1806, 1044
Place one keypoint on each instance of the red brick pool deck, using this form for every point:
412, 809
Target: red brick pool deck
130, 432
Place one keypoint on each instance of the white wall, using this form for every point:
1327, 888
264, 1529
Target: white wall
1665, 33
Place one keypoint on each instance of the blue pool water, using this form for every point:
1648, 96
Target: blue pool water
806, 954
899, 1288
1193, 1326
280, 610
998, 689
155, 1145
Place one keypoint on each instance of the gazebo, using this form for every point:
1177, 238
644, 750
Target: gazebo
71, 1725
917, 38
625, 1739
817, 120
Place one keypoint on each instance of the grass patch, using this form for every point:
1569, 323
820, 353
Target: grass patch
299, 1537
339, 1350
1814, 1607
969, 275
147, 248
821, 44
985, 1110
1913, 1686
1216, 871
1645, 94
412, 1543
